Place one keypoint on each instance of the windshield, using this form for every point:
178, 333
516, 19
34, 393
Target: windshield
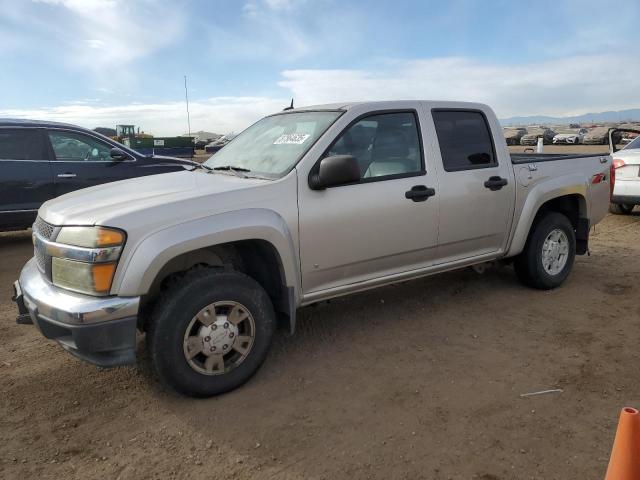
273, 146
634, 144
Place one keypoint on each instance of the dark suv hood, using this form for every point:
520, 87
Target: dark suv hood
173, 160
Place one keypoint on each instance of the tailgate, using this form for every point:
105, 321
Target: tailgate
600, 190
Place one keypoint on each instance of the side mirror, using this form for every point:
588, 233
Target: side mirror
118, 155
615, 137
333, 171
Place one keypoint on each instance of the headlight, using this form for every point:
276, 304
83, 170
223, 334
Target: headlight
91, 278
90, 237
85, 258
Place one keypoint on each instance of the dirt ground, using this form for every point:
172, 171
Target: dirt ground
416, 380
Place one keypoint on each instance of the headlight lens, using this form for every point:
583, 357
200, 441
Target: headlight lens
91, 272
90, 278
90, 237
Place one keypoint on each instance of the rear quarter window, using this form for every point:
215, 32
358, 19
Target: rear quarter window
22, 144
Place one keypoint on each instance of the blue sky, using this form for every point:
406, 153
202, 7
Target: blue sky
101, 62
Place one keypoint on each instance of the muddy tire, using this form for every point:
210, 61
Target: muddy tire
549, 253
621, 208
210, 332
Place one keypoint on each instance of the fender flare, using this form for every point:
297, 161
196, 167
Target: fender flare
136, 274
538, 196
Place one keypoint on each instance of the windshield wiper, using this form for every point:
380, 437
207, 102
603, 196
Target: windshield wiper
238, 171
201, 165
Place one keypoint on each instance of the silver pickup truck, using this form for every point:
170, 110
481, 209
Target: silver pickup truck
305, 205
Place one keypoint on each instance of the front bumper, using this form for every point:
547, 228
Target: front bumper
100, 330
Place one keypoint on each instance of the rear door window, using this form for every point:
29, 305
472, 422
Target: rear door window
22, 144
465, 140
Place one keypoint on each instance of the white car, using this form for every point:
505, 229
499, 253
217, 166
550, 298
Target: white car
570, 137
626, 192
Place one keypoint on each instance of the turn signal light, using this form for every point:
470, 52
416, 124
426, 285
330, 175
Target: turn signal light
617, 163
102, 276
108, 237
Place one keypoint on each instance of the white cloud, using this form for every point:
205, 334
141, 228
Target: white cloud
255, 5
220, 114
286, 31
97, 34
268, 30
566, 86
569, 86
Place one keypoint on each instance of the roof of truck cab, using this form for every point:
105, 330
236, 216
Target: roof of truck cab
383, 104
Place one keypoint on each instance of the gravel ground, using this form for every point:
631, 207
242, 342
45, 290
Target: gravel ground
416, 380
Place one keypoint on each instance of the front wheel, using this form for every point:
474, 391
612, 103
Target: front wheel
548, 255
210, 333
621, 208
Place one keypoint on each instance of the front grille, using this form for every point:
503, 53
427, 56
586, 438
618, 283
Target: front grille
41, 259
42, 228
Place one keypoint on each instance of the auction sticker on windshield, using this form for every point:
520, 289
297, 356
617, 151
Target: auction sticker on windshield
291, 139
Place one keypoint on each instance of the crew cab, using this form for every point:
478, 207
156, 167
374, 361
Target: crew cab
42, 160
303, 206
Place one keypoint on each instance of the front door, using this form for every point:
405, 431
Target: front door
476, 191
373, 228
82, 161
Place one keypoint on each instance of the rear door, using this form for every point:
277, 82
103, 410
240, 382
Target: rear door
82, 160
25, 175
476, 190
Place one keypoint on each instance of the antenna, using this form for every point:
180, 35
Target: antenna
186, 96
290, 107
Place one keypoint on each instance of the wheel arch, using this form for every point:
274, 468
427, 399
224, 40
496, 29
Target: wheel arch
570, 202
254, 241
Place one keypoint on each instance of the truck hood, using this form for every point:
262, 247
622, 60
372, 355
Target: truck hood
107, 204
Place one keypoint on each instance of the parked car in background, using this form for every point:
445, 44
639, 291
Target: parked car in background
532, 135
303, 206
600, 136
42, 160
513, 134
202, 138
626, 192
573, 137
628, 137
216, 145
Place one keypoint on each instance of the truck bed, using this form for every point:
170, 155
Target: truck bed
517, 158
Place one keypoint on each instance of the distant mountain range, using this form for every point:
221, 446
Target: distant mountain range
632, 114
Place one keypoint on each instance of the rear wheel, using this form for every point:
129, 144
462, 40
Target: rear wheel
210, 333
548, 255
621, 208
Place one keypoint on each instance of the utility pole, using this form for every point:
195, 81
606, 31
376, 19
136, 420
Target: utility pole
186, 96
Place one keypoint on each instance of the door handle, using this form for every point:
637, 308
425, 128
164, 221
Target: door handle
495, 183
419, 193
66, 175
